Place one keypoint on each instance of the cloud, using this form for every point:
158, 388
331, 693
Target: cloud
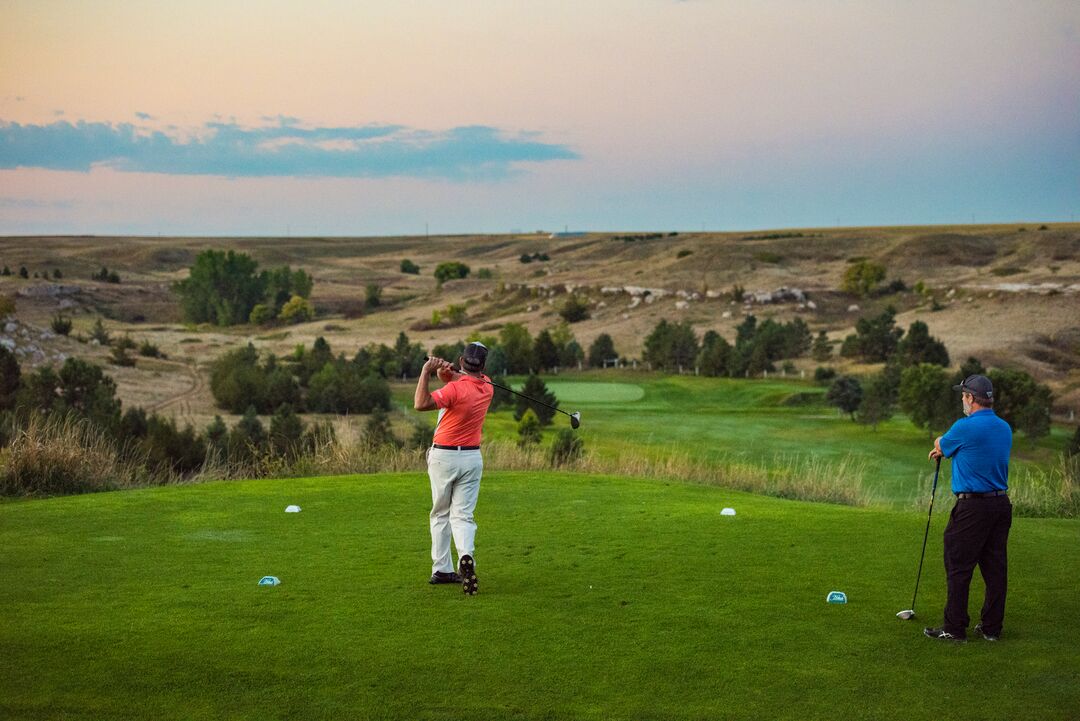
282, 149
144, 116
33, 204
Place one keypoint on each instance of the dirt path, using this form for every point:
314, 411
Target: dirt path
181, 402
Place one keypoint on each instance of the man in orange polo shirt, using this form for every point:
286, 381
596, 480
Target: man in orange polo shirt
454, 461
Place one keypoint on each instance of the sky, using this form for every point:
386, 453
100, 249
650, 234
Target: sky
404, 117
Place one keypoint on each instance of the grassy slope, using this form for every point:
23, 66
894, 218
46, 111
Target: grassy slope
747, 420
601, 598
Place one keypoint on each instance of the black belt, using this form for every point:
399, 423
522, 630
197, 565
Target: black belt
991, 494
454, 448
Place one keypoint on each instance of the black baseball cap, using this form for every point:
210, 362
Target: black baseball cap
978, 386
474, 356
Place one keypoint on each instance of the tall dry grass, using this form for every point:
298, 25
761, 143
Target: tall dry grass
56, 456
66, 455
1053, 492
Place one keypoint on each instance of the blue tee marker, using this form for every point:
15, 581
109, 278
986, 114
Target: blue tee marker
836, 597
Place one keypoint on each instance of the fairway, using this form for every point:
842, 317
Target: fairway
601, 597
722, 420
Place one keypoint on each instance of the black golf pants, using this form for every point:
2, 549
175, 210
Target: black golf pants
977, 534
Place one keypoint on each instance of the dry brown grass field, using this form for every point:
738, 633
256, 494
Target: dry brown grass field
1007, 294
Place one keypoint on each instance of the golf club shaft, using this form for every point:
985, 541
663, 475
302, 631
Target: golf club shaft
922, 556
548, 405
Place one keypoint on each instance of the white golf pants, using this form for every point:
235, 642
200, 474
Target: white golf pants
455, 487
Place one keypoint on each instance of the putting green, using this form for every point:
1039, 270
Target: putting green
591, 392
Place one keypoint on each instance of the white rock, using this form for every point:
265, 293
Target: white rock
11, 327
713, 294
681, 305
7, 343
853, 309
634, 302
650, 299
811, 305
726, 314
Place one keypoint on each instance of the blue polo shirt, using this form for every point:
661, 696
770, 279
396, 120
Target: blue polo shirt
979, 446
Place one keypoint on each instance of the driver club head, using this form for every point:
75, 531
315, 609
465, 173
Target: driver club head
906, 615
575, 420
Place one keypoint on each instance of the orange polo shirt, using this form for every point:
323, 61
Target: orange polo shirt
462, 404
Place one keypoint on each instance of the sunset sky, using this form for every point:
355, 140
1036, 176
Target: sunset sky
365, 118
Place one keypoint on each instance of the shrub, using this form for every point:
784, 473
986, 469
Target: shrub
377, 431
738, 293
119, 357
456, 314
297, 310
768, 256
862, 277
149, 350
525, 258
7, 306
846, 394
683, 253
56, 274
566, 448
528, 429
574, 309
485, 274
423, 435
125, 342
1073, 449
407, 266
824, 375
450, 271
24, 273
10, 376
261, 314
372, 295
167, 448
60, 324
6, 271
100, 334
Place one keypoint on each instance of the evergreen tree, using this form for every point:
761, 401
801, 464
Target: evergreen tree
602, 349
286, 431
822, 349
918, 346
536, 389
545, 352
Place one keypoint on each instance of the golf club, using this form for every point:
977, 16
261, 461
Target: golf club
575, 417
909, 614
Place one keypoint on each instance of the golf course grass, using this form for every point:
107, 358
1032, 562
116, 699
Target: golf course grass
600, 597
717, 420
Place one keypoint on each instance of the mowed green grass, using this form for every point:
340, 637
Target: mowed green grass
770, 421
601, 598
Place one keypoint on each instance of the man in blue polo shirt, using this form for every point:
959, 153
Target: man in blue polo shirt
978, 528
